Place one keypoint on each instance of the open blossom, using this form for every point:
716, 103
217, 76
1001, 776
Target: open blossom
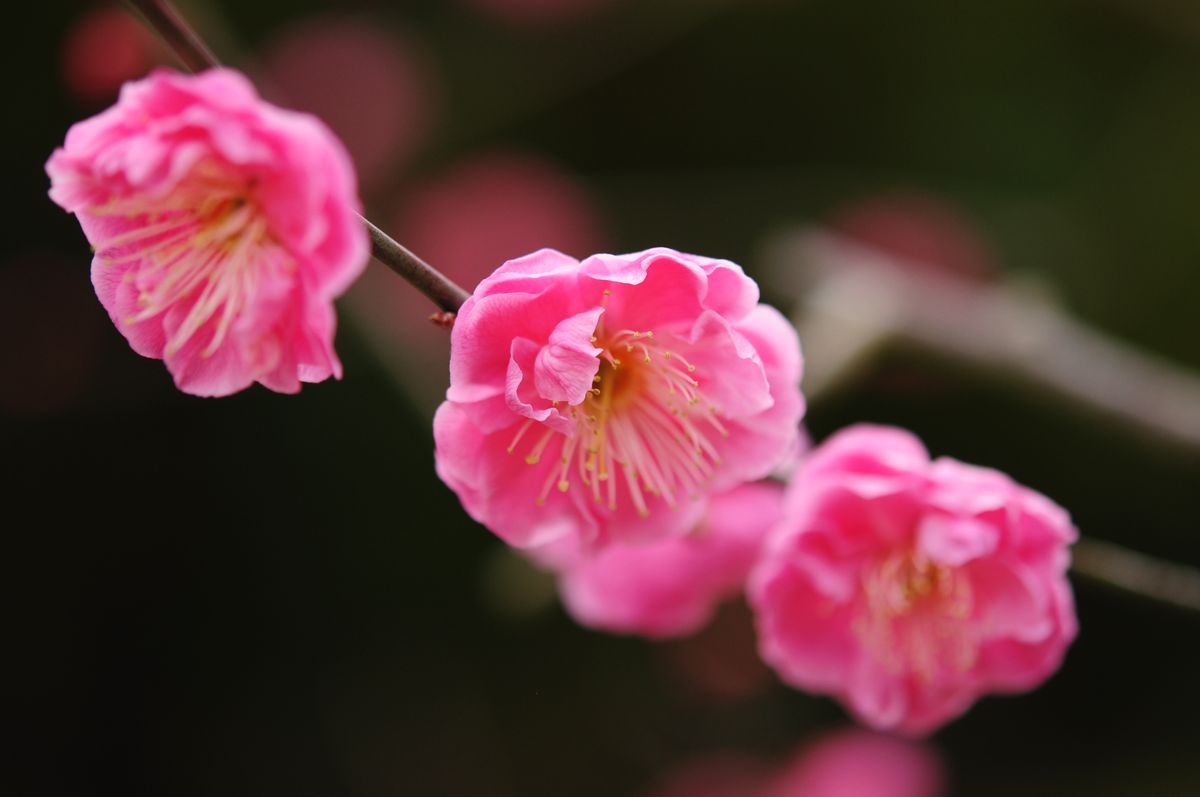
607, 398
223, 228
908, 588
671, 586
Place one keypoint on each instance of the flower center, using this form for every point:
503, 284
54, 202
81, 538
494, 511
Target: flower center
196, 249
915, 614
644, 423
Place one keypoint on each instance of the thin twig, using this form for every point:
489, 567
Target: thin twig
424, 277
162, 17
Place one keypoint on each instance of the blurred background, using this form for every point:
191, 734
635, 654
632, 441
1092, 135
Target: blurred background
268, 595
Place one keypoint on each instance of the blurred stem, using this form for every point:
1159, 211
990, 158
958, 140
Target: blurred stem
1129, 571
857, 301
162, 17
444, 292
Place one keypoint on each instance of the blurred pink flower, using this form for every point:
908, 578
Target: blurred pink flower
843, 763
908, 588
669, 587
918, 231
375, 87
606, 399
223, 228
104, 48
495, 206
855, 763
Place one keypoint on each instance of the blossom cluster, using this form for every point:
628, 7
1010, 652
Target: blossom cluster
615, 417
622, 419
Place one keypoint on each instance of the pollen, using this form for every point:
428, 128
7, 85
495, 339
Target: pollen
643, 433
915, 613
201, 249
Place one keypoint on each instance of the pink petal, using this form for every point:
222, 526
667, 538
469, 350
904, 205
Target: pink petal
670, 587
954, 541
566, 365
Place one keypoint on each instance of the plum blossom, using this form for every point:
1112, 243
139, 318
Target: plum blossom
607, 398
857, 763
908, 588
847, 762
670, 587
223, 227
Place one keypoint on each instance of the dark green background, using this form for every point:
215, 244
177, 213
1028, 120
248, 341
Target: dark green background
268, 595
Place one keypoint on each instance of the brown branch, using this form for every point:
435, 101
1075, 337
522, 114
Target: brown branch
162, 17
445, 293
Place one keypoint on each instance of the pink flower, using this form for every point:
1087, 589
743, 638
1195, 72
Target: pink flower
908, 588
844, 763
104, 47
855, 763
223, 228
605, 399
372, 84
671, 586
